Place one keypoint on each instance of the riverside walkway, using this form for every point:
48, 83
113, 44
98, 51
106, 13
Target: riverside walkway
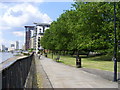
63, 76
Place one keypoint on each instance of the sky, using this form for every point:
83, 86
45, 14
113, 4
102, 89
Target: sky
15, 14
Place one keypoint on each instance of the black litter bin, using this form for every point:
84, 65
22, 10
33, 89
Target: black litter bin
78, 62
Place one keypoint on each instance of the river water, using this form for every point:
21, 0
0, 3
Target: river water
5, 55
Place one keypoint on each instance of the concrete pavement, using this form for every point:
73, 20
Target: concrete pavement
63, 76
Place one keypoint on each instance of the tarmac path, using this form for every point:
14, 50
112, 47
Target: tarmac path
63, 76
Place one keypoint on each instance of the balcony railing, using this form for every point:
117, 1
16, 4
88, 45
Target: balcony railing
41, 33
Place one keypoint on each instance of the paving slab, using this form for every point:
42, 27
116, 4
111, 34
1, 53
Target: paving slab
63, 76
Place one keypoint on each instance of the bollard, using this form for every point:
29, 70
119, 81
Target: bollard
78, 62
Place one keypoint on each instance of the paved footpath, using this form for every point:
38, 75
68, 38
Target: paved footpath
63, 76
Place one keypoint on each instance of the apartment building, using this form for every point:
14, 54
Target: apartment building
38, 33
34, 35
28, 36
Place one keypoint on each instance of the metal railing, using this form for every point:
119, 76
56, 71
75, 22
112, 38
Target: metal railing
15, 75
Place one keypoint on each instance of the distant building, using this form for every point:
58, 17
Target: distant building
28, 36
3, 47
12, 47
17, 45
6, 49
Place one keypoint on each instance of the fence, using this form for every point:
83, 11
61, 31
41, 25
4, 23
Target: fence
16, 74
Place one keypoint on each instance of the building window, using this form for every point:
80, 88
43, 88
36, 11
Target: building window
40, 30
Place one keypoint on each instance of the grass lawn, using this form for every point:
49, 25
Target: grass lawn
92, 62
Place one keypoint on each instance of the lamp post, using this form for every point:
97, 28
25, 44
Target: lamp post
115, 46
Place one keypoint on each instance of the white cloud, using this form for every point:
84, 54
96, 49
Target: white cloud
4, 28
21, 14
18, 33
42, 0
2, 6
2, 40
21, 0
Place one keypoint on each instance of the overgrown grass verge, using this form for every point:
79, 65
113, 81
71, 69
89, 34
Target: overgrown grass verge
98, 62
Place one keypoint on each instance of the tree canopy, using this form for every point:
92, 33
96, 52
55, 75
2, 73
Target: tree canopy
86, 27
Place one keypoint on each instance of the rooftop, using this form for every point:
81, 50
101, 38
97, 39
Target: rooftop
29, 26
42, 24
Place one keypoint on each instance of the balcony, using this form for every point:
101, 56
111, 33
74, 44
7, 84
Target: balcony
41, 33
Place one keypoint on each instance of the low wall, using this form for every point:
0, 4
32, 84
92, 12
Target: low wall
16, 74
31, 81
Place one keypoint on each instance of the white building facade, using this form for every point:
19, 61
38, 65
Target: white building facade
38, 34
32, 42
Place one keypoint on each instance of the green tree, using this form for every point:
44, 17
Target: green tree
86, 27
